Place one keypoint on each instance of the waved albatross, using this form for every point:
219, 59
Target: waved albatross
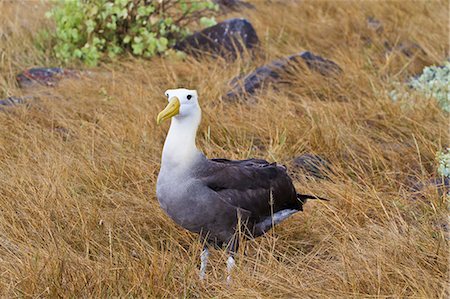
217, 198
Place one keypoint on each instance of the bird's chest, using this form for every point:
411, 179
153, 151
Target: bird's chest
181, 202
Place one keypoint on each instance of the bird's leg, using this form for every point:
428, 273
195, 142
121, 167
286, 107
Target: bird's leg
204, 261
230, 265
234, 244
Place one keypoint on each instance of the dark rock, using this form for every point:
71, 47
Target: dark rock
316, 63
273, 72
312, 165
442, 184
375, 30
442, 225
12, 101
407, 48
233, 5
64, 133
226, 39
43, 76
375, 25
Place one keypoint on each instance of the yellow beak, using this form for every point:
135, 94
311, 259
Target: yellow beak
172, 109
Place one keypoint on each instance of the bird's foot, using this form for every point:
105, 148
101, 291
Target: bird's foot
230, 265
204, 261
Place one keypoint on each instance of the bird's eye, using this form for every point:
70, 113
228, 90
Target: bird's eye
189, 97
167, 95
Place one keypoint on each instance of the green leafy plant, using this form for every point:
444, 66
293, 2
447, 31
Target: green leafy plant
91, 29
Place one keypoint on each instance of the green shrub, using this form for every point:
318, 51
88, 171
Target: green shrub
433, 83
90, 29
444, 163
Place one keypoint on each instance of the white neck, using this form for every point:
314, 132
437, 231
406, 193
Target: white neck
179, 148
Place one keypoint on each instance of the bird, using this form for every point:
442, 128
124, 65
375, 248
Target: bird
218, 198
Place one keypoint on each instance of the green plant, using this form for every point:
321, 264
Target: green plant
443, 158
90, 29
434, 82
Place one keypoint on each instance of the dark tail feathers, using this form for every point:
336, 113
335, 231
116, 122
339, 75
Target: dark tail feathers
304, 197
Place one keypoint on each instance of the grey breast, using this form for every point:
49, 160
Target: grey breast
193, 205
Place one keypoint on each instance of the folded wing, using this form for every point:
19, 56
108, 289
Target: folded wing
255, 185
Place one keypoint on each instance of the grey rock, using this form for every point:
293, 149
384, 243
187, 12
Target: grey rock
227, 39
274, 71
442, 184
316, 63
407, 48
62, 132
375, 30
375, 25
47, 76
312, 165
233, 5
13, 101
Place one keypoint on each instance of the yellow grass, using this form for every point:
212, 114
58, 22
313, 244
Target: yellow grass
79, 217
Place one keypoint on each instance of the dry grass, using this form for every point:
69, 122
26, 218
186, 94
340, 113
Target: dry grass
79, 217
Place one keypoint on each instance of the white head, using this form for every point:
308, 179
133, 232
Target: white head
183, 106
179, 148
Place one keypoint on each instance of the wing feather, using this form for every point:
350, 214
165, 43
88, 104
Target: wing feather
255, 185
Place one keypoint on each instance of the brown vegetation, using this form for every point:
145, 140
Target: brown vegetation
79, 217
